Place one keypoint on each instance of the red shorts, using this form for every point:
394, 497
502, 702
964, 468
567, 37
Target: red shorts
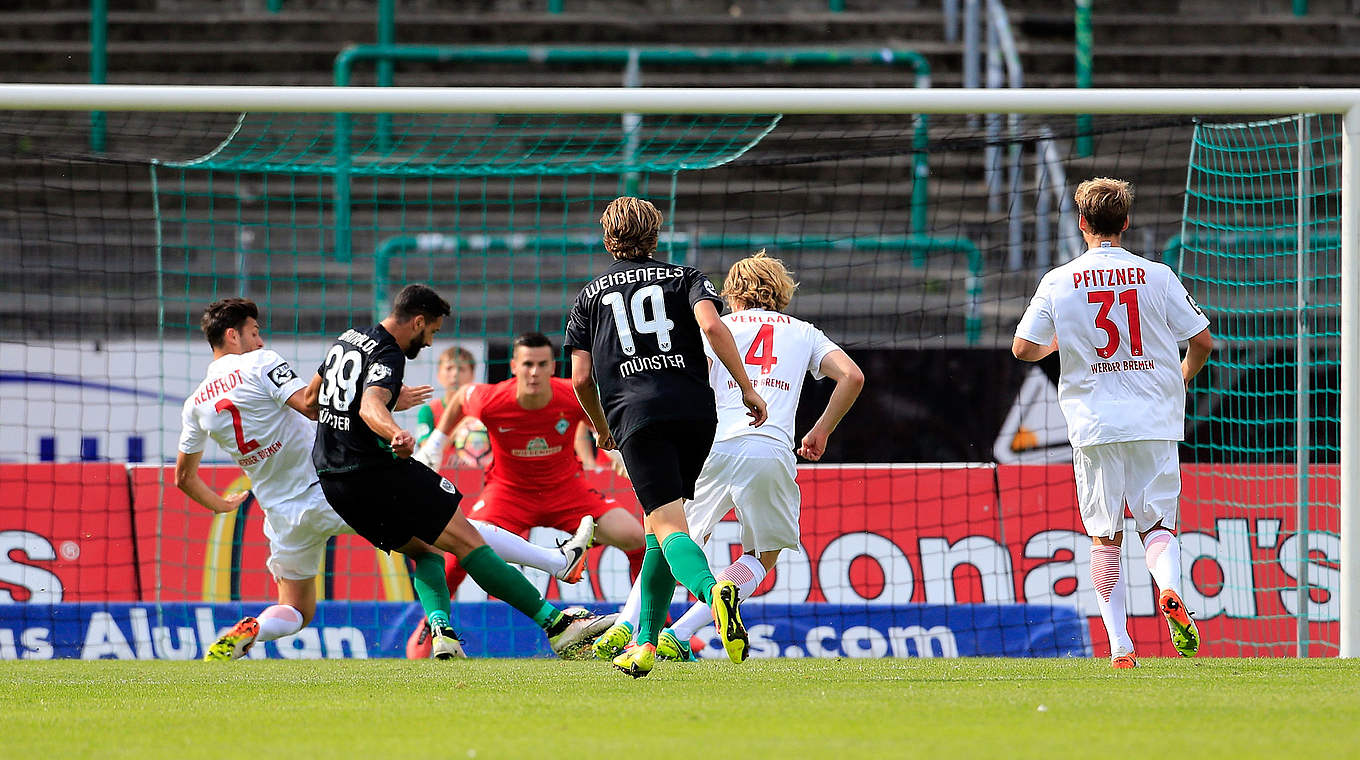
519, 509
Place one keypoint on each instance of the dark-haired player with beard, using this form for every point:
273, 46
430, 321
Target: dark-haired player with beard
363, 458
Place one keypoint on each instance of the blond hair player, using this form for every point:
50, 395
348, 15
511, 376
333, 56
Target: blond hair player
1115, 320
751, 469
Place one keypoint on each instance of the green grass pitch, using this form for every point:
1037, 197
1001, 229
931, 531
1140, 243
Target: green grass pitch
546, 709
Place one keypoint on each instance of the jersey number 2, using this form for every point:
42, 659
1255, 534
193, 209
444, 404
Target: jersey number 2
245, 446
1106, 299
761, 352
658, 324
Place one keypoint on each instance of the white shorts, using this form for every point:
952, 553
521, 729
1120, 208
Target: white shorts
298, 530
755, 476
1145, 475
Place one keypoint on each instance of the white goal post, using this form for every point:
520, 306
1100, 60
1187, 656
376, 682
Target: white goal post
1256, 102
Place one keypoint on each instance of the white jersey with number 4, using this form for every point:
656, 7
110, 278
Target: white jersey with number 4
241, 405
1118, 318
778, 351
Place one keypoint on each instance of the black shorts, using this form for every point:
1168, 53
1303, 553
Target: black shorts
390, 505
664, 459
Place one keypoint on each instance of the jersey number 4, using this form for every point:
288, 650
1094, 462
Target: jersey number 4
225, 405
1129, 300
657, 324
761, 352
340, 378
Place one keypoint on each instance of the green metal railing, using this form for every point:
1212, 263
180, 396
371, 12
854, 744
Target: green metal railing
1084, 43
631, 58
99, 66
681, 246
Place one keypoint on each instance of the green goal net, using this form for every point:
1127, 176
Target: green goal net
1260, 248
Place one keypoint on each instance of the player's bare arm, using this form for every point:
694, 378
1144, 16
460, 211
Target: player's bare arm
583, 382
725, 347
412, 396
303, 401
191, 483
311, 399
1029, 351
453, 411
585, 447
1196, 354
849, 379
374, 412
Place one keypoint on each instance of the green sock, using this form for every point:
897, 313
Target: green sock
658, 586
505, 583
690, 565
431, 588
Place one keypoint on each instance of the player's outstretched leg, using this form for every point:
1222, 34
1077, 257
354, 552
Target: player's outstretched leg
567, 634
235, 642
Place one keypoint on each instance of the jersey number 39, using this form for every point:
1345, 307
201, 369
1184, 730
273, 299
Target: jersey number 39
340, 378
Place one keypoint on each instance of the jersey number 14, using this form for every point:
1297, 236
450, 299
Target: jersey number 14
658, 324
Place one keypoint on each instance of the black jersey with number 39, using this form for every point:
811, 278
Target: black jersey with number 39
637, 322
356, 361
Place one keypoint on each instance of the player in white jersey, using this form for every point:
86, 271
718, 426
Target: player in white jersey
752, 469
1115, 320
242, 404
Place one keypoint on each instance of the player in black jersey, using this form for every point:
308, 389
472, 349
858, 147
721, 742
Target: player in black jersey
363, 458
640, 372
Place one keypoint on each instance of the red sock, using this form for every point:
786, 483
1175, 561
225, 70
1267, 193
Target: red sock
635, 563
454, 573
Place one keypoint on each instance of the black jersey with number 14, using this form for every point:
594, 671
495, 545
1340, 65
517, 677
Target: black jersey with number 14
637, 322
357, 360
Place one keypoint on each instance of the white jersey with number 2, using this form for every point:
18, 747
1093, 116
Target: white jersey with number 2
1118, 318
241, 405
778, 351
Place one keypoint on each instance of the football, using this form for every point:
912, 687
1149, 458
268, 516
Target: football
472, 443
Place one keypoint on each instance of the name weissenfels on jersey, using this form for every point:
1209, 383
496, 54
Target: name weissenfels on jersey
630, 276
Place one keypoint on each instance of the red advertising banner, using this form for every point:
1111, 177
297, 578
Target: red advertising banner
872, 535
66, 534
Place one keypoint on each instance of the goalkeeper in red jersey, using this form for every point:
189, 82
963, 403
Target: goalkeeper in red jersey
535, 477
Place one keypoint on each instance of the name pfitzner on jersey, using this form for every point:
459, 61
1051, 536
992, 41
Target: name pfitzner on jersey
660, 361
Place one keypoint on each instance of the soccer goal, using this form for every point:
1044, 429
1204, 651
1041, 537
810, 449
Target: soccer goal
943, 521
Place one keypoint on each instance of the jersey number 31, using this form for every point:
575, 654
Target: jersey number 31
1129, 300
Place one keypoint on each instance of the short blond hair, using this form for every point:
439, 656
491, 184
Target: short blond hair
759, 282
631, 227
1104, 203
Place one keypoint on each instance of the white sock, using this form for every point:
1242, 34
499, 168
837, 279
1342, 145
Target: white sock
1108, 577
632, 609
278, 621
1163, 553
516, 550
746, 572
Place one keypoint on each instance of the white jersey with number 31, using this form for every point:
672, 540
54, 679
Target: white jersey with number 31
241, 405
1118, 318
778, 351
